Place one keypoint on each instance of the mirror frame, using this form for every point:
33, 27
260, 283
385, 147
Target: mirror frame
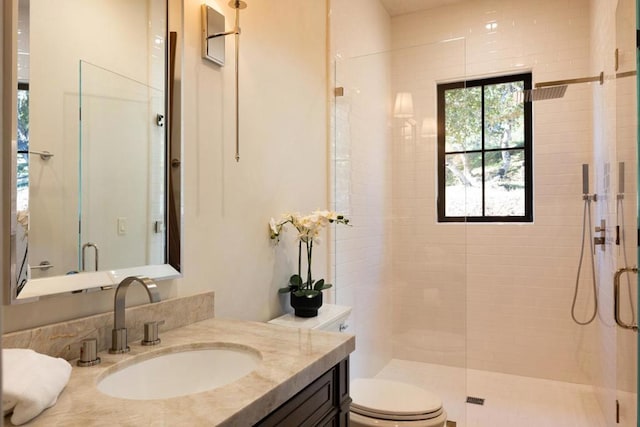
85, 281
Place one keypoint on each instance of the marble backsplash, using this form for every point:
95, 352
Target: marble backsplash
63, 339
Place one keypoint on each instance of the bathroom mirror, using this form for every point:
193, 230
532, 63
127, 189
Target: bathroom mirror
95, 171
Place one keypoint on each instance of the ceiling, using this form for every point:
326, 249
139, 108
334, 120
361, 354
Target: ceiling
400, 7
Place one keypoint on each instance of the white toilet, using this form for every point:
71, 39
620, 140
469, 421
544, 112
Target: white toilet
375, 402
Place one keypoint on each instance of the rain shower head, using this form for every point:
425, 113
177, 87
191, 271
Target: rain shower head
542, 93
557, 88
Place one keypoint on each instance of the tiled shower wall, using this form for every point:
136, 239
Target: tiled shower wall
518, 278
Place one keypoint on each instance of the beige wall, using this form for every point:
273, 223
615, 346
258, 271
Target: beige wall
283, 166
283, 159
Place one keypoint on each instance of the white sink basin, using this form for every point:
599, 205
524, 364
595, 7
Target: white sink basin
179, 372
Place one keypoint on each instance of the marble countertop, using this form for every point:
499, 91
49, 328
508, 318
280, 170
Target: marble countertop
291, 359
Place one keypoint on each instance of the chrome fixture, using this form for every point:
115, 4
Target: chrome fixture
151, 333
540, 94
586, 218
84, 255
556, 89
44, 155
602, 239
89, 353
237, 5
585, 185
119, 332
44, 265
616, 297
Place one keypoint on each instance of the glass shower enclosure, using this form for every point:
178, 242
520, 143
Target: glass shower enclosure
484, 310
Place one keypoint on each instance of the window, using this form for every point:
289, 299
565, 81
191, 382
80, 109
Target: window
22, 178
484, 150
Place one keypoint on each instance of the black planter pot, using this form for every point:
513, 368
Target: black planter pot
306, 307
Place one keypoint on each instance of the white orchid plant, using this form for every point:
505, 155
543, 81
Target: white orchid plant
309, 228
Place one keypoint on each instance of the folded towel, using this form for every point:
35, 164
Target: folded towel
31, 382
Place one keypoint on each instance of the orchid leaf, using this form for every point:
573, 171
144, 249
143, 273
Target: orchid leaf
296, 281
284, 290
321, 285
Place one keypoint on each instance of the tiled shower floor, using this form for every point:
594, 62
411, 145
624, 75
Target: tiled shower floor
510, 400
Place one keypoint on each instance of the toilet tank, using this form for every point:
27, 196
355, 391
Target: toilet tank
330, 317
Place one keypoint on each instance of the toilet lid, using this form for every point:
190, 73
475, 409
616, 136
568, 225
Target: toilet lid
393, 400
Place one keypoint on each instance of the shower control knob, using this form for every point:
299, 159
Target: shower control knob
602, 239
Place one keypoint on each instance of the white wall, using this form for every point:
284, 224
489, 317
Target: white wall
362, 184
283, 166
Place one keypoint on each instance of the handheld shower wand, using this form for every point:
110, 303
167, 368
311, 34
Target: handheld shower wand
586, 217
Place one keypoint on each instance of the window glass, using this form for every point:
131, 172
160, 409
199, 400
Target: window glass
463, 126
464, 184
504, 183
22, 163
503, 115
484, 150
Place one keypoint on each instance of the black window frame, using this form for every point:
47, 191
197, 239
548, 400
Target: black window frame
528, 149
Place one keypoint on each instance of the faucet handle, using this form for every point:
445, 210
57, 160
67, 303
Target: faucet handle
89, 353
151, 333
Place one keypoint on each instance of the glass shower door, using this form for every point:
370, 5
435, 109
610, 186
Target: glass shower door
625, 188
402, 272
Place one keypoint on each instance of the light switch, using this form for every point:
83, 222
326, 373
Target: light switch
122, 226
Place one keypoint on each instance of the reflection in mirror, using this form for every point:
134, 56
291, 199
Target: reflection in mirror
91, 128
122, 205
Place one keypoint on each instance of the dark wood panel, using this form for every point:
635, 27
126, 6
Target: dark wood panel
324, 402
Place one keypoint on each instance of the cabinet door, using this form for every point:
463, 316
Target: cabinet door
324, 402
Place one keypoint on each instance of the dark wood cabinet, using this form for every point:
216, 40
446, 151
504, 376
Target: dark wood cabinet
324, 402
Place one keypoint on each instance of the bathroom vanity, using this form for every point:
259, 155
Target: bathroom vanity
301, 379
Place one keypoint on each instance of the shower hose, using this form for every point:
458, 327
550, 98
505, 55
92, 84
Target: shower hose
586, 215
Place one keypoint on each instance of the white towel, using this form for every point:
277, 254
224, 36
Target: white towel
31, 382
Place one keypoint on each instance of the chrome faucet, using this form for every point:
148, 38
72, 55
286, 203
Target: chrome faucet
119, 332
